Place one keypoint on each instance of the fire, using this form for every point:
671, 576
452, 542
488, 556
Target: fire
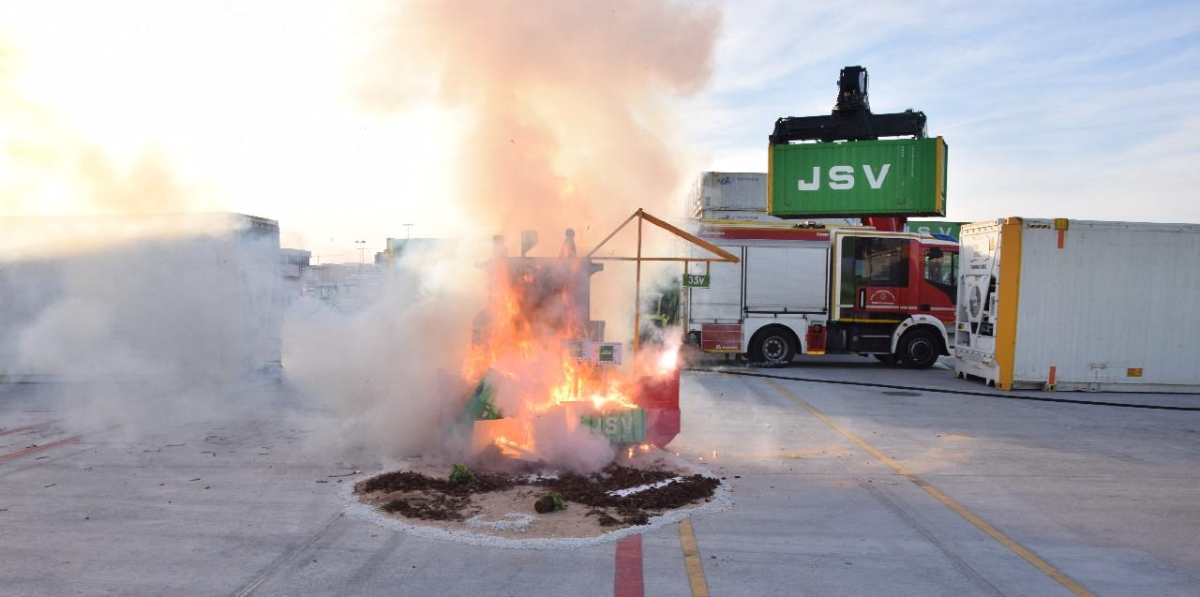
507, 446
532, 343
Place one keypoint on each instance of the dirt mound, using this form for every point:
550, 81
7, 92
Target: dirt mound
617, 496
603, 492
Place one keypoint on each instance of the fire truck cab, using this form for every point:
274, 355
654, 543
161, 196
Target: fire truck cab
817, 291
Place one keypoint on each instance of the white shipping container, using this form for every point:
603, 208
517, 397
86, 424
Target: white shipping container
729, 191
1080, 305
736, 215
740, 197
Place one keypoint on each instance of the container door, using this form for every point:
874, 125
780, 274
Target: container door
875, 281
975, 326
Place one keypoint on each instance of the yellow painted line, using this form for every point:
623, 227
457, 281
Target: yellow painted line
691, 559
1037, 562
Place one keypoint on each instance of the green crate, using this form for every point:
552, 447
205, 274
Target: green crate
896, 177
626, 426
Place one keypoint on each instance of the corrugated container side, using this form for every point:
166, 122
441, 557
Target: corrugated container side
893, 177
1106, 306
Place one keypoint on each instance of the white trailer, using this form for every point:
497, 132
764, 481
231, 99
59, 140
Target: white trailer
1079, 305
818, 291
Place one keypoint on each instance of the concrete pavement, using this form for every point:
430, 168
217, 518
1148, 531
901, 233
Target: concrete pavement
242, 503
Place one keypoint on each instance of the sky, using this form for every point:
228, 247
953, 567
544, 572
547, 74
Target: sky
331, 119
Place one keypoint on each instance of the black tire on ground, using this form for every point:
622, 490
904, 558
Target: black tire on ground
918, 349
886, 359
774, 346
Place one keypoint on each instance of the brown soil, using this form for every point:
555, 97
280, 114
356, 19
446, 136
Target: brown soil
418, 496
592, 491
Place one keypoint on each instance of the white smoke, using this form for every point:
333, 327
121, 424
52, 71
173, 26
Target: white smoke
134, 329
391, 372
569, 123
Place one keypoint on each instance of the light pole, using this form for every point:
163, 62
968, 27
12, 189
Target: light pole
408, 231
362, 251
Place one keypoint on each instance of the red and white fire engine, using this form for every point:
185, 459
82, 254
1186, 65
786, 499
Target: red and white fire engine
824, 291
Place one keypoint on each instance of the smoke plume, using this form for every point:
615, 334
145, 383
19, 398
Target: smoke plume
568, 122
568, 103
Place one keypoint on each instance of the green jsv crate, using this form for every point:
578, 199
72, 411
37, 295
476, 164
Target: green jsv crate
626, 426
895, 177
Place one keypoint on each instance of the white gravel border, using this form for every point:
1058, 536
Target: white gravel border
722, 500
513, 521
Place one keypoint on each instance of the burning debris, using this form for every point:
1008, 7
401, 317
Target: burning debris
547, 385
553, 404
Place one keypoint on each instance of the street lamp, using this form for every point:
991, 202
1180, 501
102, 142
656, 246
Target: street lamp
362, 251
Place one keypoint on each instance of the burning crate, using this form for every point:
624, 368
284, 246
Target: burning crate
537, 358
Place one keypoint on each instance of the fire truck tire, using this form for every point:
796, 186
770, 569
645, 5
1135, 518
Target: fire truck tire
774, 346
919, 349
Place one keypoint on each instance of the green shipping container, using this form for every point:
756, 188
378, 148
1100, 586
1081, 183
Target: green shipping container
899, 177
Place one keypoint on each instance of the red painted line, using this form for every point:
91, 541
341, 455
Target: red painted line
28, 427
628, 581
34, 449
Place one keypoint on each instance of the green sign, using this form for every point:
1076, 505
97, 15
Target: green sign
606, 354
620, 426
931, 227
696, 280
896, 177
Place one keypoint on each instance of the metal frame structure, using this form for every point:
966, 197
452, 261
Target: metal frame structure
722, 256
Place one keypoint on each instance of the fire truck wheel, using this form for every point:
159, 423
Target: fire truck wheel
774, 346
918, 349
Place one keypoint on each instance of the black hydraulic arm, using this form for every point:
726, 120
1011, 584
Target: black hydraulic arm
851, 119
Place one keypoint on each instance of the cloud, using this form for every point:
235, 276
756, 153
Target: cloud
1037, 110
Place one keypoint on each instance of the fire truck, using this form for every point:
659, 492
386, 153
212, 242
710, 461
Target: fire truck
815, 290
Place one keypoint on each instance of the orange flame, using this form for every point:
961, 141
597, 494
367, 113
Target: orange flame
530, 336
